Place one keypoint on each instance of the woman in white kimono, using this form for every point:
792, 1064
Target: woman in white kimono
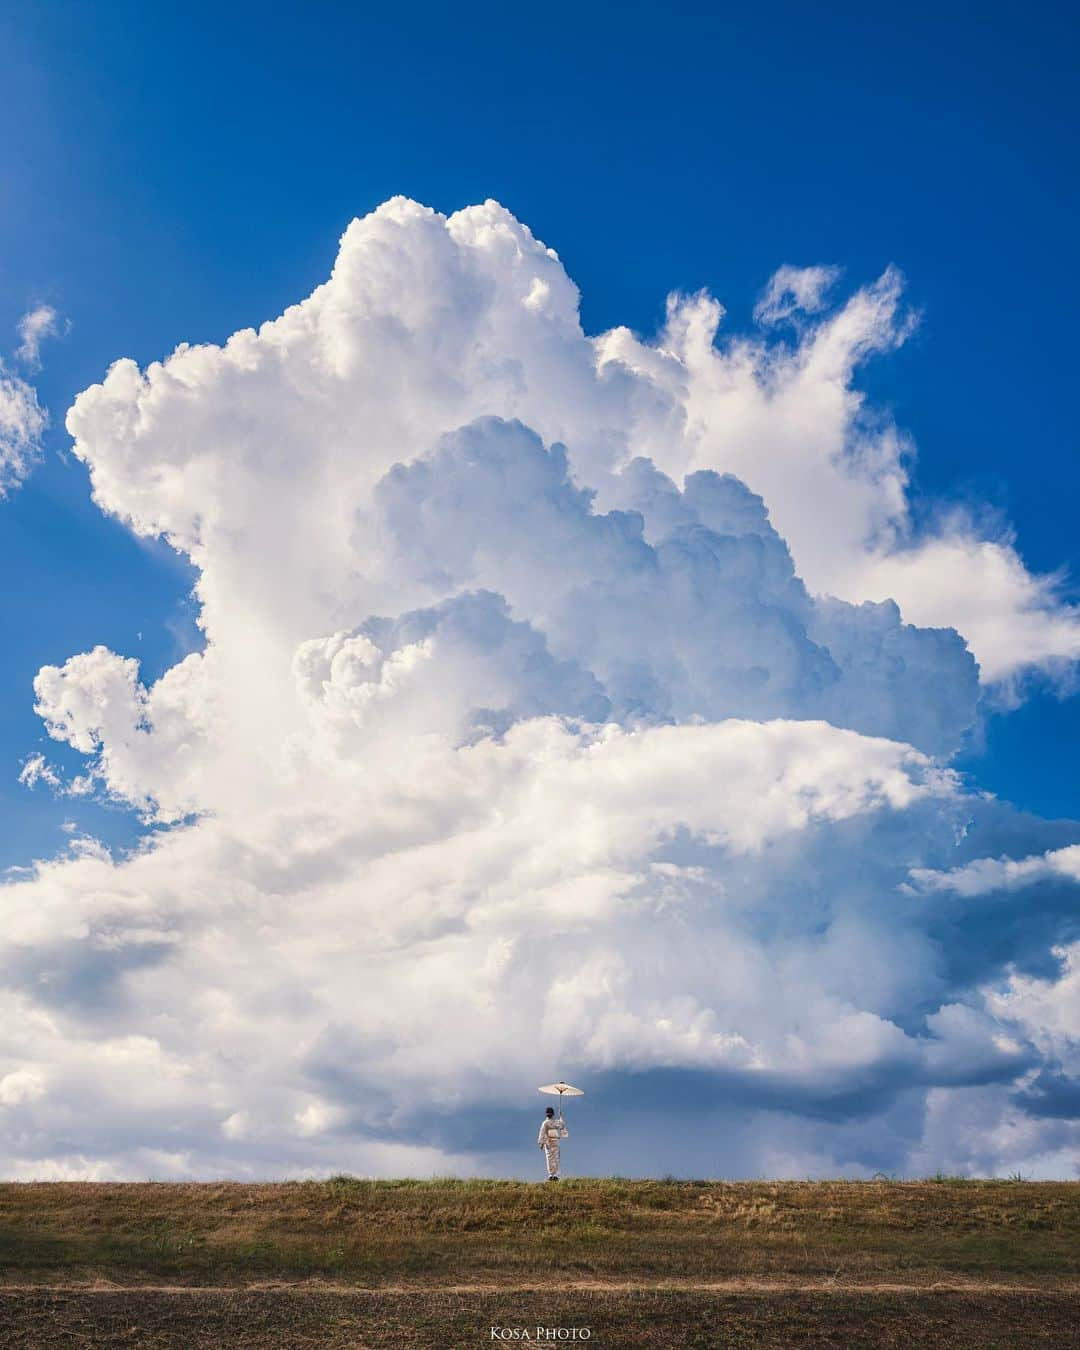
552, 1131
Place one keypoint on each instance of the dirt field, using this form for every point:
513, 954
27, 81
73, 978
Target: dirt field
442, 1264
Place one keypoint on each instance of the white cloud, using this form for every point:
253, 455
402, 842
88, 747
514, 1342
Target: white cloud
22, 1085
147, 743
1047, 1010
36, 769
318, 1117
34, 326
22, 422
793, 290
237, 1126
985, 875
1013, 620
981, 1131
518, 746
509, 883
429, 322
64, 1169
790, 423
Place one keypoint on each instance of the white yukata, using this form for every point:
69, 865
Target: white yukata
552, 1131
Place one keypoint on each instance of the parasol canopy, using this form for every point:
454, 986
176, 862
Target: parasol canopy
561, 1090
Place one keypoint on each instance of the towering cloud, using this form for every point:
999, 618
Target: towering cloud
568, 704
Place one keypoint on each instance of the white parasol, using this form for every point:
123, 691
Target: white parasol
561, 1090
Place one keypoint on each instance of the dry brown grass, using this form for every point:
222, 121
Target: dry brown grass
419, 1234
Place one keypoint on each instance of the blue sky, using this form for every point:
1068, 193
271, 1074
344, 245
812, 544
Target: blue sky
176, 174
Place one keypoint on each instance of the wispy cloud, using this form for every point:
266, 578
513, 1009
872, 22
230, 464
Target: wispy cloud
22, 422
794, 290
33, 328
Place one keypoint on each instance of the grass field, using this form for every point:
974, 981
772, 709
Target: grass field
636, 1263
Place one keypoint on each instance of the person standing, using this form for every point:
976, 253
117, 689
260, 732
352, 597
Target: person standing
552, 1132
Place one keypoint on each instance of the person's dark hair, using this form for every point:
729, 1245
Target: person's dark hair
550, 1111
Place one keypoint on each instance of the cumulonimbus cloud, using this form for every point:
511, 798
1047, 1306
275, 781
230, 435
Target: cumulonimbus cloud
566, 704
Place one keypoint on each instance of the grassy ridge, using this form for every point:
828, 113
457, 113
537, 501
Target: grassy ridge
445, 1232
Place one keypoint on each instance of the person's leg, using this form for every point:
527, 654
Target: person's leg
553, 1162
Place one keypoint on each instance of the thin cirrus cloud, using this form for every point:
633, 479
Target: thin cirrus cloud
22, 422
22, 418
794, 290
554, 715
34, 327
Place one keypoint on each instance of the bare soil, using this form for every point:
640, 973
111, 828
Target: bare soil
642, 1317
